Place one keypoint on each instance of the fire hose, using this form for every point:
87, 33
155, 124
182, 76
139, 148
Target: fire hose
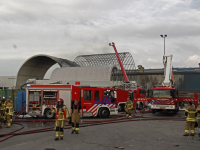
82, 124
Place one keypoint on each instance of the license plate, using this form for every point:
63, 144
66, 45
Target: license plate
162, 107
34, 105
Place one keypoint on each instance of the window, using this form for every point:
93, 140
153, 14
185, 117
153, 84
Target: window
109, 93
162, 94
96, 94
142, 91
87, 95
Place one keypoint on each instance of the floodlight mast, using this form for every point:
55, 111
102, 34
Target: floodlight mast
122, 68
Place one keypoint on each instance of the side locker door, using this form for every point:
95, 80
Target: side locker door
86, 101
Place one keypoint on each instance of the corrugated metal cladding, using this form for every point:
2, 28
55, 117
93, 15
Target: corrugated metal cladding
98, 73
189, 82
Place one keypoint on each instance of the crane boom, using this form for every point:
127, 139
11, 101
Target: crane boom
167, 70
122, 68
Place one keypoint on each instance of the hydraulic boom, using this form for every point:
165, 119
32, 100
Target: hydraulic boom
122, 68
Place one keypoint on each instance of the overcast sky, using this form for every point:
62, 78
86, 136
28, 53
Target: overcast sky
68, 28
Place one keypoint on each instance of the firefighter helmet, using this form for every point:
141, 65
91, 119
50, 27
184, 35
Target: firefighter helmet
61, 100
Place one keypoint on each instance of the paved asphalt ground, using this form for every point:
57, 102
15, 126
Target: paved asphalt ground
135, 135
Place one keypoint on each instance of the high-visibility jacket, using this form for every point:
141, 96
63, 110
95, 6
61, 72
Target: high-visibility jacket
190, 114
2, 106
61, 113
198, 112
9, 108
129, 105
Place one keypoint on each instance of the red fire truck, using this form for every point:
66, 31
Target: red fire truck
95, 101
165, 96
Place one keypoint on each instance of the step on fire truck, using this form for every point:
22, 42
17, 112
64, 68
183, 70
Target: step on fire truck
97, 98
165, 96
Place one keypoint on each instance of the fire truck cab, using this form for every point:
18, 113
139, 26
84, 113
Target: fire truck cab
164, 98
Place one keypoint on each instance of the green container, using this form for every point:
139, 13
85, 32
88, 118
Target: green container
10, 92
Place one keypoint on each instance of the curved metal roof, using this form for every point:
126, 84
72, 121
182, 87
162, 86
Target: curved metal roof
106, 60
109, 59
91, 73
37, 66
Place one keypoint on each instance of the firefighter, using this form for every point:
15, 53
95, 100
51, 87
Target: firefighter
62, 114
190, 114
1, 114
198, 116
75, 114
9, 111
2, 110
128, 108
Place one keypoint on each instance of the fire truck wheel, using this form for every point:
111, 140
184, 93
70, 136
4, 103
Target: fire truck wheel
48, 114
104, 113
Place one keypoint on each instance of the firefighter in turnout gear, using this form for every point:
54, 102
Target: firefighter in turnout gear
2, 110
190, 114
9, 111
198, 116
0, 113
128, 108
75, 113
62, 114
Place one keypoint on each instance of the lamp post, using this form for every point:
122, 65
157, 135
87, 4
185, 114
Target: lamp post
164, 36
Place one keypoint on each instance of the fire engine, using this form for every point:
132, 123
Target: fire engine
95, 101
165, 96
97, 98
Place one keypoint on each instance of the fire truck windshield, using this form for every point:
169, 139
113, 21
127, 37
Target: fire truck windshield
161, 93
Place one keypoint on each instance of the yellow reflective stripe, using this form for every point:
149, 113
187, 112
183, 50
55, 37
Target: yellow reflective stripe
67, 113
57, 134
53, 110
192, 131
191, 119
56, 124
186, 110
192, 112
186, 131
77, 129
9, 107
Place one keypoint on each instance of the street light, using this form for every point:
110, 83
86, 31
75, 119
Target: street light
164, 36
